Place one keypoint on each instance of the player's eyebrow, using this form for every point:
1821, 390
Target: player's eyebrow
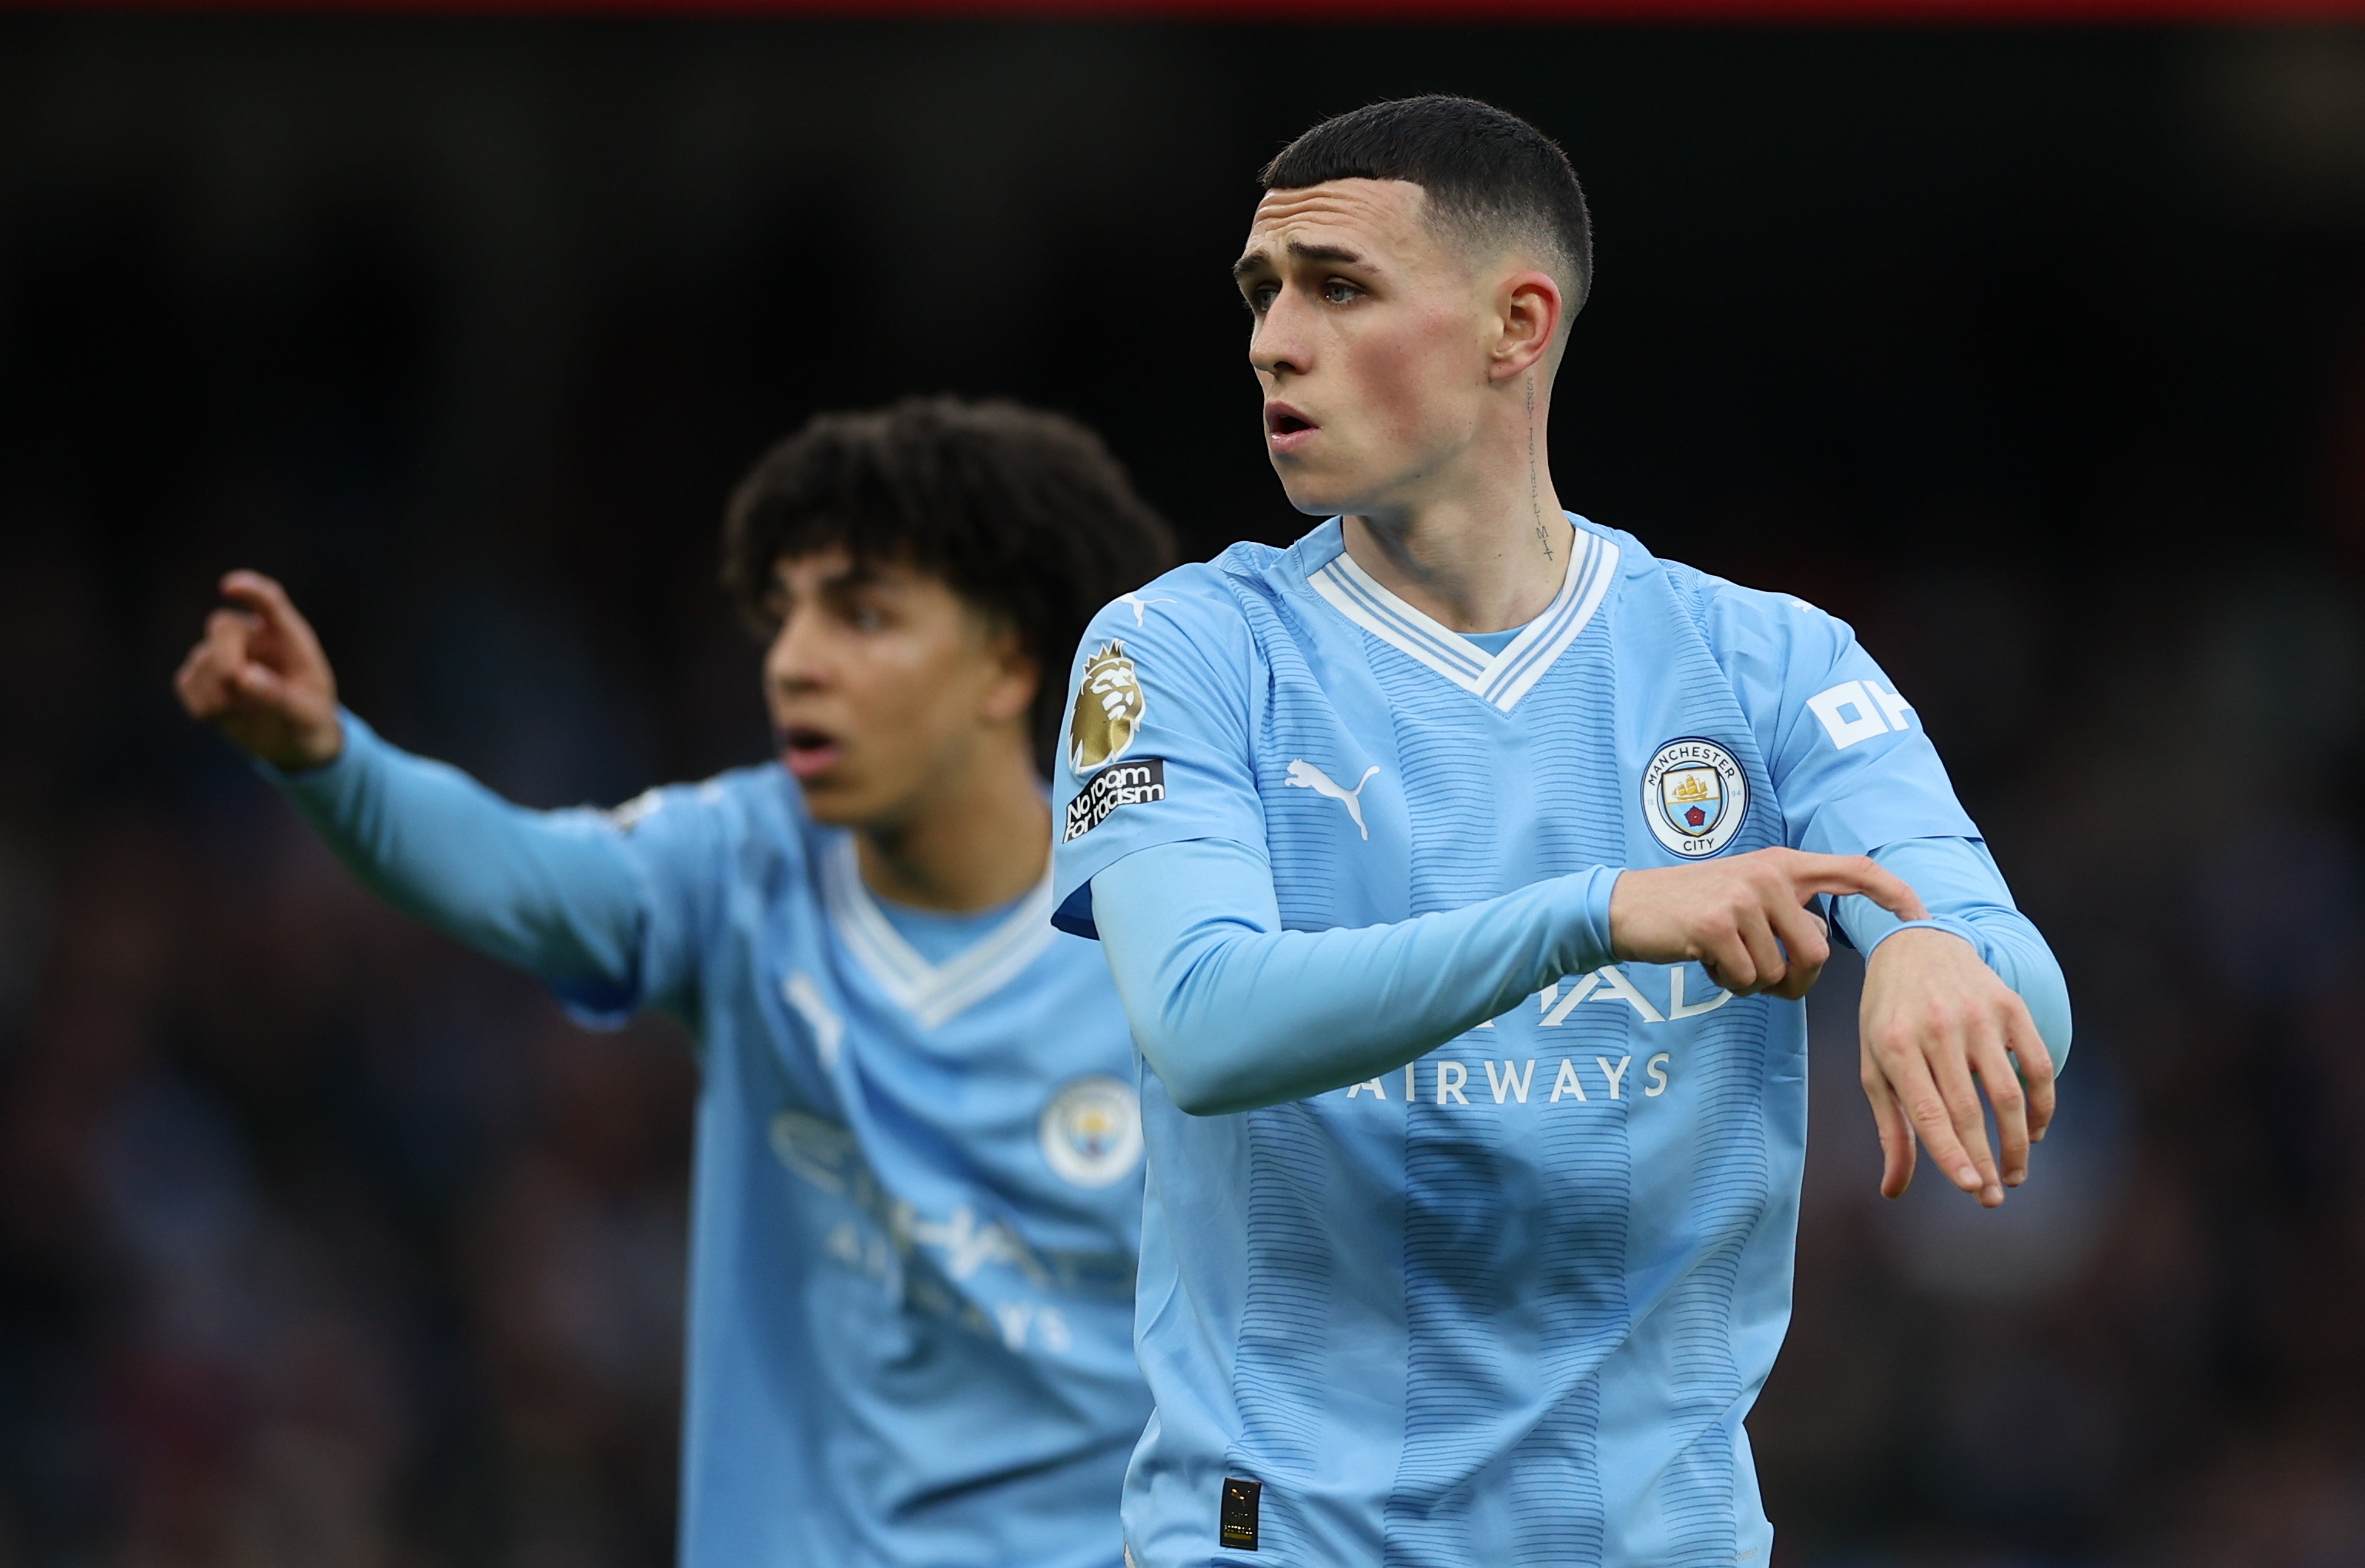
1257, 261
858, 576
1340, 254
852, 579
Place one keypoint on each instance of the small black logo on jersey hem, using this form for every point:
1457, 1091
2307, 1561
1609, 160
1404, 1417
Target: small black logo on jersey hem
1119, 784
1239, 1523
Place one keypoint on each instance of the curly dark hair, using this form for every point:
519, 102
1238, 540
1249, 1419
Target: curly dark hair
1023, 513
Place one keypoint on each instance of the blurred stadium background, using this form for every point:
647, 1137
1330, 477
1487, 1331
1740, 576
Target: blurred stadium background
2038, 355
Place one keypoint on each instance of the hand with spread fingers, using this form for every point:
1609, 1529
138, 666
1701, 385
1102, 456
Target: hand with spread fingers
1938, 1029
259, 677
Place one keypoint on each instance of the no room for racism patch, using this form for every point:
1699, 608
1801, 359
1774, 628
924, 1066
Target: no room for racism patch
1119, 784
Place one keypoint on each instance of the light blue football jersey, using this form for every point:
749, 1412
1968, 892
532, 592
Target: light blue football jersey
917, 1188
917, 1210
1510, 1303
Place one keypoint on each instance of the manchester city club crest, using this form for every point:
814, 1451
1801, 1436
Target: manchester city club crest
1695, 796
1091, 1131
1108, 714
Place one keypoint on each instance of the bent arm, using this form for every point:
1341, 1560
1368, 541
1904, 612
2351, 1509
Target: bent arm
1234, 1012
551, 893
1965, 894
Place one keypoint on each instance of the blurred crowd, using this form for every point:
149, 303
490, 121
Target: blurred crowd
321, 1242
324, 1244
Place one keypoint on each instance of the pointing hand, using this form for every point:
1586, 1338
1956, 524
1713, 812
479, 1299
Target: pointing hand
259, 675
1743, 919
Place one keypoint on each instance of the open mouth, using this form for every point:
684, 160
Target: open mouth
1284, 426
807, 754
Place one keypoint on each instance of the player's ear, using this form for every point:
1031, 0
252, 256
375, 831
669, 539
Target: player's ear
1014, 675
1528, 308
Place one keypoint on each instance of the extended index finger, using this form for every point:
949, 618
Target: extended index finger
263, 598
1858, 874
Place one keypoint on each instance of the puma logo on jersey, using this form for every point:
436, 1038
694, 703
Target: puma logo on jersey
1140, 605
828, 1029
636, 811
1305, 775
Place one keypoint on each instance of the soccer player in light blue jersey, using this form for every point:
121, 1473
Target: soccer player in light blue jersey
917, 1190
1453, 866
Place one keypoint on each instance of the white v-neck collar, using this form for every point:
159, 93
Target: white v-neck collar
1499, 679
931, 994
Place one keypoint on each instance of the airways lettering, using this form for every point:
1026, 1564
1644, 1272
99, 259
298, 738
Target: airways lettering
1509, 1082
1446, 1081
1516, 1082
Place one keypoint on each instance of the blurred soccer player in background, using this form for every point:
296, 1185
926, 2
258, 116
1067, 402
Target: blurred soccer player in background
1452, 864
918, 1187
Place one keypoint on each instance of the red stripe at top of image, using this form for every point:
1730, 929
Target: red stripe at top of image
1876, 13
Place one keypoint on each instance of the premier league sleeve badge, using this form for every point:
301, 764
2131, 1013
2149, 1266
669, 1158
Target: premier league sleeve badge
1695, 796
1107, 715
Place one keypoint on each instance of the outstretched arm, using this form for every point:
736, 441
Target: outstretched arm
551, 893
1234, 1012
548, 891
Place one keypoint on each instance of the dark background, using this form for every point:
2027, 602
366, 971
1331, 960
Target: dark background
2038, 355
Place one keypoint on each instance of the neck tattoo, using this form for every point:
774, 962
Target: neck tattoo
1535, 506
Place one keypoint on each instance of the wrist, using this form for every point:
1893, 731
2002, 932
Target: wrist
321, 745
1593, 944
1947, 924
314, 755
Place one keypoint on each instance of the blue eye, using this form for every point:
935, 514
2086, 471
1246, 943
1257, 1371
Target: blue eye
1339, 292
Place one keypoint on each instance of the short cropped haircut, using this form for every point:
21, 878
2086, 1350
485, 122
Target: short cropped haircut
1490, 175
1022, 513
